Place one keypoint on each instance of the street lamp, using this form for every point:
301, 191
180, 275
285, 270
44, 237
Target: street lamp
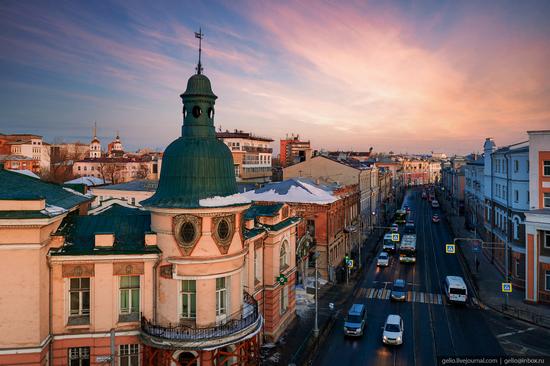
316, 325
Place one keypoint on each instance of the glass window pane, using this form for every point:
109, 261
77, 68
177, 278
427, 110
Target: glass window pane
185, 306
85, 283
124, 301
134, 281
193, 305
74, 300
123, 281
75, 283
85, 302
135, 301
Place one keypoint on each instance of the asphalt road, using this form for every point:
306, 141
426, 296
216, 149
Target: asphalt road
432, 326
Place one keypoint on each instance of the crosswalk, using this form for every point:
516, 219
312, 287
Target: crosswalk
412, 296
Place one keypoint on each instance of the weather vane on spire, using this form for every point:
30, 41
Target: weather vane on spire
199, 35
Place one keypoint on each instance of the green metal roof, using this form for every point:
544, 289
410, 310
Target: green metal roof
129, 231
262, 210
253, 232
197, 165
20, 214
15, 186
118, 210
283, 224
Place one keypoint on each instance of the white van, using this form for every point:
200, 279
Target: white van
456, 289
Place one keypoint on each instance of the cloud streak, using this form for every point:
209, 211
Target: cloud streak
343, 75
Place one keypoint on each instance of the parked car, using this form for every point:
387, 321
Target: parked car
356, 320
409, 228
389, 244
435, 218
394, 227
399, 290
435, 204
424, 195
393, 330
383, 259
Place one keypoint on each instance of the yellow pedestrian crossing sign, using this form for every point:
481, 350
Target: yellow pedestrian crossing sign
450, 249
395, 237
506, 287
350, 263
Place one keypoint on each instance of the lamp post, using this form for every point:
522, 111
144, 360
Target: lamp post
316, 324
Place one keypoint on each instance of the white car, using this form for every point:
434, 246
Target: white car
383, 259
394, 228
393, 330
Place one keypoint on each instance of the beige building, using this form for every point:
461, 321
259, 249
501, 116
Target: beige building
118, 170
26, 145
132, 192
345, 172
251, 155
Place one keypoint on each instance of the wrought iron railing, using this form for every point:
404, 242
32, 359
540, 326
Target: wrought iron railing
247, 316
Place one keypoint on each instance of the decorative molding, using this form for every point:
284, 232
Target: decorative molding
177, 224
128, 268
166, 271
223, 244
78, 270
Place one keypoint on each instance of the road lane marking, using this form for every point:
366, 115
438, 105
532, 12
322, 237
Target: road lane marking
409, 296
439, 299
421, 297
369, 293
387, 295
514, 333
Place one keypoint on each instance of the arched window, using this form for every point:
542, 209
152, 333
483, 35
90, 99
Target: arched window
283, 258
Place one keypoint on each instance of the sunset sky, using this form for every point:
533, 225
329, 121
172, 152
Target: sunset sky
395, 75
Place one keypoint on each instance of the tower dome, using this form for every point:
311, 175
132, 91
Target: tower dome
197, 165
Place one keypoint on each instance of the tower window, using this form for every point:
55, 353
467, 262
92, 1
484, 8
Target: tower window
184, 112
188, 232
197, 111
210, 112
223, 230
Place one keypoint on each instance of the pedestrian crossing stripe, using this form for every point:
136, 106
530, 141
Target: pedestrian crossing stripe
412, 296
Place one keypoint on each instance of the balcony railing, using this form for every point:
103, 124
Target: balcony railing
257, 149
179, 332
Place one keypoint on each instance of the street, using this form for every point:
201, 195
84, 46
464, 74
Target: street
432, 326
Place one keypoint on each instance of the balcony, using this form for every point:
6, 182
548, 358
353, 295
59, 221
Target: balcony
254, 149
238, 326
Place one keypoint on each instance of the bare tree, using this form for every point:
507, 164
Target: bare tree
111, 171
61, 165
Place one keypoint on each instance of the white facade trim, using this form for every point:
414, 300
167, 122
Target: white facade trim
96, 335
23, 350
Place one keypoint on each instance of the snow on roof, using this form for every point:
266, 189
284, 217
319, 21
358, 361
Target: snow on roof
25, 172
88, 181
293, 190
218, 201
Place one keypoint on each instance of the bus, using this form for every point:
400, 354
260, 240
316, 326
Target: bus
400, 216
407, 249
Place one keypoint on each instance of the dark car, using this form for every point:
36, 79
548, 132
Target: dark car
399, 290
435, 218
409, 228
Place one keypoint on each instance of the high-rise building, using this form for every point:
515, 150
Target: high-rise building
293, 150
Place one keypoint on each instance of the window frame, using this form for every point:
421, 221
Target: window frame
191, 295
545, 164
81, 353
284, 256
128, 354
546, 239
221, 297
284, 300
545, 197
81, 312
130, 289
547, 280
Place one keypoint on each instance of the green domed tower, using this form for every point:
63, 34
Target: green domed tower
197, 165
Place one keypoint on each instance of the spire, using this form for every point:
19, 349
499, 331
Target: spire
199, 35
95, 129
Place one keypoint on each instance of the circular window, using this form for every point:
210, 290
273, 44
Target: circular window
197, 111
187, 232
184, 112
223, 230
210, 112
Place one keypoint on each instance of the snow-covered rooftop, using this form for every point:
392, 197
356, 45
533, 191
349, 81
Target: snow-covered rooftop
297, 190
218, 201
26, 172
88, 181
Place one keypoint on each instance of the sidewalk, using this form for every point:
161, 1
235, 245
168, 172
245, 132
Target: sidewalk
297, 343
487, 279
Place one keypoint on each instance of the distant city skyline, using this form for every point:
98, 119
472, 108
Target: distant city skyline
403, 76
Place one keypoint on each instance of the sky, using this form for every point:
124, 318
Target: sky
406, 76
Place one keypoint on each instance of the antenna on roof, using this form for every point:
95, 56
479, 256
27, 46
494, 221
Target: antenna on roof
199, 35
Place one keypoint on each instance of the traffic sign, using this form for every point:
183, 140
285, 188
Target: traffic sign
506, 287
350, 263
395, 237
281, 279
450, 249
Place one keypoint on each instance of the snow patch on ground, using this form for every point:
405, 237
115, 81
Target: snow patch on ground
218, 201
